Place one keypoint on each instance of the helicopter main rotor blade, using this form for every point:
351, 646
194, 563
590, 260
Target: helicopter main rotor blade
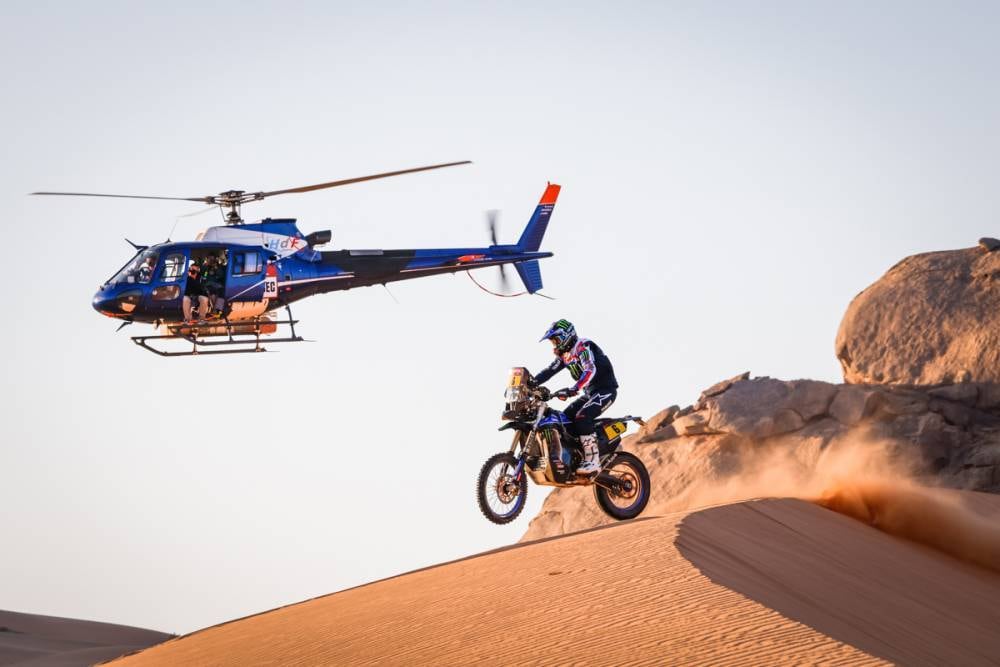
491, 222
504, 280
233, 199
348, 181
206, 200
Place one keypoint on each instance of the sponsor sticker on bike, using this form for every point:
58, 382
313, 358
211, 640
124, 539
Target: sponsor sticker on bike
615, 429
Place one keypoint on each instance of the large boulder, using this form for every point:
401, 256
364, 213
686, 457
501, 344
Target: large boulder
932, 319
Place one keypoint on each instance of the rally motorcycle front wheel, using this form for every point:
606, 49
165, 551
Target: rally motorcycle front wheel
622, 489
501, 497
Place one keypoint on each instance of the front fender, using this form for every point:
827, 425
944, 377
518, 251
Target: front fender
523, 427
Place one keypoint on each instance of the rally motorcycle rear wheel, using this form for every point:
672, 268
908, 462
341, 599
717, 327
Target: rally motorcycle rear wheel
627, 496
501, 497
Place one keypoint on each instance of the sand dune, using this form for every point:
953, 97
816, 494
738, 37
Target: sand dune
893, 599
32, 640
760, 582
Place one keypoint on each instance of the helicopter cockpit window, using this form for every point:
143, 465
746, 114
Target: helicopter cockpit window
246, 262
173, 268
139, 270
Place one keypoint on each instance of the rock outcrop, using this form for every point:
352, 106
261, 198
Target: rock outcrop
920, 351
932, 319
725, 446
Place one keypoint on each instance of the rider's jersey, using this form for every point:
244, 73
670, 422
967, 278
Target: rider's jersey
588, 365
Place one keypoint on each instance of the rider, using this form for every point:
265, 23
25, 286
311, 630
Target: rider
594, 376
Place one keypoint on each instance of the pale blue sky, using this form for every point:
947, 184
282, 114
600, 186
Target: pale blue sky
733, 173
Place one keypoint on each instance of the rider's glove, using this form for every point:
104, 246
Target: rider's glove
563, 394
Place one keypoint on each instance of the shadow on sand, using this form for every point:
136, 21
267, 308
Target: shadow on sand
893, 599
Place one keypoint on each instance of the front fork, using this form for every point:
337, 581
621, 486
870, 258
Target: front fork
519, 439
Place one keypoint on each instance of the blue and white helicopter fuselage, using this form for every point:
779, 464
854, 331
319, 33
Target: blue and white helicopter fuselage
267, 265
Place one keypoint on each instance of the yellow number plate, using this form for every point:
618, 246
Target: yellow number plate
615, 429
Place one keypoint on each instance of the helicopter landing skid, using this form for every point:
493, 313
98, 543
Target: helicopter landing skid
229, 337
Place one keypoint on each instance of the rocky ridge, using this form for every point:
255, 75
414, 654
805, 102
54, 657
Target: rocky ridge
950, 433
920, 352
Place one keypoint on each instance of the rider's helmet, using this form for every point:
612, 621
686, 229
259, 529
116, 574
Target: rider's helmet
562, 333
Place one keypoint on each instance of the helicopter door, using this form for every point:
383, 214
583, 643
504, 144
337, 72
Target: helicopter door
245, 286
164, 299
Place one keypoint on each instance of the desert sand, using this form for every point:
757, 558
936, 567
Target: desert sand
32, 640
779, 581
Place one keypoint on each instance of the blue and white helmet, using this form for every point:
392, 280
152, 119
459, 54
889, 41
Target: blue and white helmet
562, 333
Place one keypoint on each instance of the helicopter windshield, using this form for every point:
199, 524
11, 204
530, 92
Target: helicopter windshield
138, 270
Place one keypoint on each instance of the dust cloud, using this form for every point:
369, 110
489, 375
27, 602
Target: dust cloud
872, 481
932, 516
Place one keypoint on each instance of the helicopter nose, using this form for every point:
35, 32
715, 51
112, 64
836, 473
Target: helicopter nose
113, 304
105, 305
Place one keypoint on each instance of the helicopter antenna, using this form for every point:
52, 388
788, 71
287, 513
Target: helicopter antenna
391, 295
230, 201
177, 219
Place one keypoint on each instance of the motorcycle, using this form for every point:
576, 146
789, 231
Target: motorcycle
545, 450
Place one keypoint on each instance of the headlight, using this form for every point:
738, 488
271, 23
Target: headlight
127, 301
514, 394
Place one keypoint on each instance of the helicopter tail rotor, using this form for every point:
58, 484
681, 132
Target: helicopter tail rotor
491, 222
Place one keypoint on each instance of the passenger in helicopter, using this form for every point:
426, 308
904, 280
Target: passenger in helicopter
195, 288
214, 280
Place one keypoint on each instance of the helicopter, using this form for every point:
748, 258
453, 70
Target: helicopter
263, 267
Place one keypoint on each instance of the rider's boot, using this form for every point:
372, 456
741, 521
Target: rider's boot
591, 464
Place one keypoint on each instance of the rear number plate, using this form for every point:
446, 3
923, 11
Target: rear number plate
615, 429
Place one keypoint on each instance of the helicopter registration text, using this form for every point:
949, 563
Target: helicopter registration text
271, 287
271, 282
